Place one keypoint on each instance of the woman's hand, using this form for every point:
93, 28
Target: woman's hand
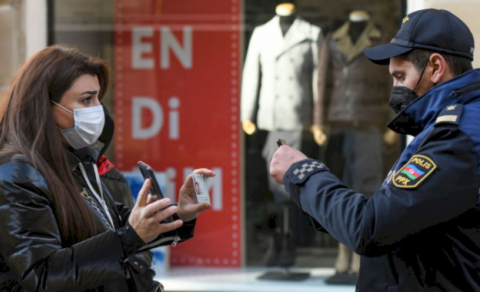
188, 206
145, 217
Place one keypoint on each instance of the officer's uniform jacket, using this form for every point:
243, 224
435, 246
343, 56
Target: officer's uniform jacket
280, 75
421, 230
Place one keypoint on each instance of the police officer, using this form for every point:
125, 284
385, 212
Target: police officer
421, 230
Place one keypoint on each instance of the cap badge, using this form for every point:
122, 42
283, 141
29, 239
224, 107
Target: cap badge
405, 19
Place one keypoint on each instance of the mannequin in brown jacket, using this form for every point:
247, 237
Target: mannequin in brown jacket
351, 112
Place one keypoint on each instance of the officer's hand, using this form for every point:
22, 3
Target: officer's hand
145, 219
282, 159
188, 207
249, 127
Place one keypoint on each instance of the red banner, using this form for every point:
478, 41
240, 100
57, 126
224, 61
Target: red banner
177, 108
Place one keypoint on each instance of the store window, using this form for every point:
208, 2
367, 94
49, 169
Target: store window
12, 40
175, 100
183, 71
317, 91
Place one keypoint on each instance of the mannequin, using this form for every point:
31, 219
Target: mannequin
282, 251
358, 19
351, 114
287, 14
278, 92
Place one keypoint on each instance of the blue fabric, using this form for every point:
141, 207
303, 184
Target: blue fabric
417, 237
424, 111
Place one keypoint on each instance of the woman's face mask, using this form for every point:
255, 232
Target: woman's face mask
89, 123
80, 116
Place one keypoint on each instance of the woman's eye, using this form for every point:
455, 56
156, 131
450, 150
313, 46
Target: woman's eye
87, 100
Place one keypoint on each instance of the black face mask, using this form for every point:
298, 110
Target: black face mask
401, 96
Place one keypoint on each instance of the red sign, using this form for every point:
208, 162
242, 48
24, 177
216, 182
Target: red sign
176, 108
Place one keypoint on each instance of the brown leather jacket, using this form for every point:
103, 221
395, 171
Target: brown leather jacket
352, 90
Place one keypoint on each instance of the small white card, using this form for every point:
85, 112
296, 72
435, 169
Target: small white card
201, 188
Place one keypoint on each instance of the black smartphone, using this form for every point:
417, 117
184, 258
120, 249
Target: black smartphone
155, 191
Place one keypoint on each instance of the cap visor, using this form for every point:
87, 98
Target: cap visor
381, 54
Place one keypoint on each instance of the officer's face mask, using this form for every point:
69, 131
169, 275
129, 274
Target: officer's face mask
89, 124
401, 96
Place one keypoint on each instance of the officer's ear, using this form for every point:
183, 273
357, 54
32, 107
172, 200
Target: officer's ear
440, 72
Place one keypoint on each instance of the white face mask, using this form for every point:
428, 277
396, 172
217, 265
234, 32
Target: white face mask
88, 127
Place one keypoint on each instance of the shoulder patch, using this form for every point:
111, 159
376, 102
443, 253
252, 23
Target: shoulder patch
450, 115
414, 172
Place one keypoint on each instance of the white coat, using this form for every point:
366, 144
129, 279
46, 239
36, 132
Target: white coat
280, 73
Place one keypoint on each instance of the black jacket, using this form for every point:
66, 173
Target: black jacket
32, 255
421, 230
115, 182
113, 179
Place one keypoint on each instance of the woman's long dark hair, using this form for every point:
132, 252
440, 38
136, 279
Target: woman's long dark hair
28, 127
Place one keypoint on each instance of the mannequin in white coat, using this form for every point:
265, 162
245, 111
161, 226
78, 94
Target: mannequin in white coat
279, 76
287, 14
282, 250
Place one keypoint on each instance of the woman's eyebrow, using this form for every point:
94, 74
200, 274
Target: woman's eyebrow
89, 92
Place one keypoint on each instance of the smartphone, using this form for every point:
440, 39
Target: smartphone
155, 191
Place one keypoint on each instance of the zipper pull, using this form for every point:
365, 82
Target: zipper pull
457, 93
175, 241
84, 193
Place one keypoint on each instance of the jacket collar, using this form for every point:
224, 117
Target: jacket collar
73, 160
344, 43
423, 111
297, 33
88, 154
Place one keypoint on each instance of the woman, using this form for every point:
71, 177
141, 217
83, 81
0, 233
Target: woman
60, 230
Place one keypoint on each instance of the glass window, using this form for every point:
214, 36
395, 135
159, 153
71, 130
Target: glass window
321, 94
215, 83
12, 40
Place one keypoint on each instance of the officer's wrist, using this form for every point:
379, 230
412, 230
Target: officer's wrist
298, 174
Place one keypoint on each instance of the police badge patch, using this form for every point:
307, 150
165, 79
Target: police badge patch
414, 172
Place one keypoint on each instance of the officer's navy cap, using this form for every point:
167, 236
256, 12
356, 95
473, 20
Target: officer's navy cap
428, 29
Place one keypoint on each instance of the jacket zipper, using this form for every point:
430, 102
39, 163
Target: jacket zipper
466, 89
175, 240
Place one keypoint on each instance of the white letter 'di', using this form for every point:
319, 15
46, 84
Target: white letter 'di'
155, 108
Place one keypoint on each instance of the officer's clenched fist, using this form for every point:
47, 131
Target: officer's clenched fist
282, 159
